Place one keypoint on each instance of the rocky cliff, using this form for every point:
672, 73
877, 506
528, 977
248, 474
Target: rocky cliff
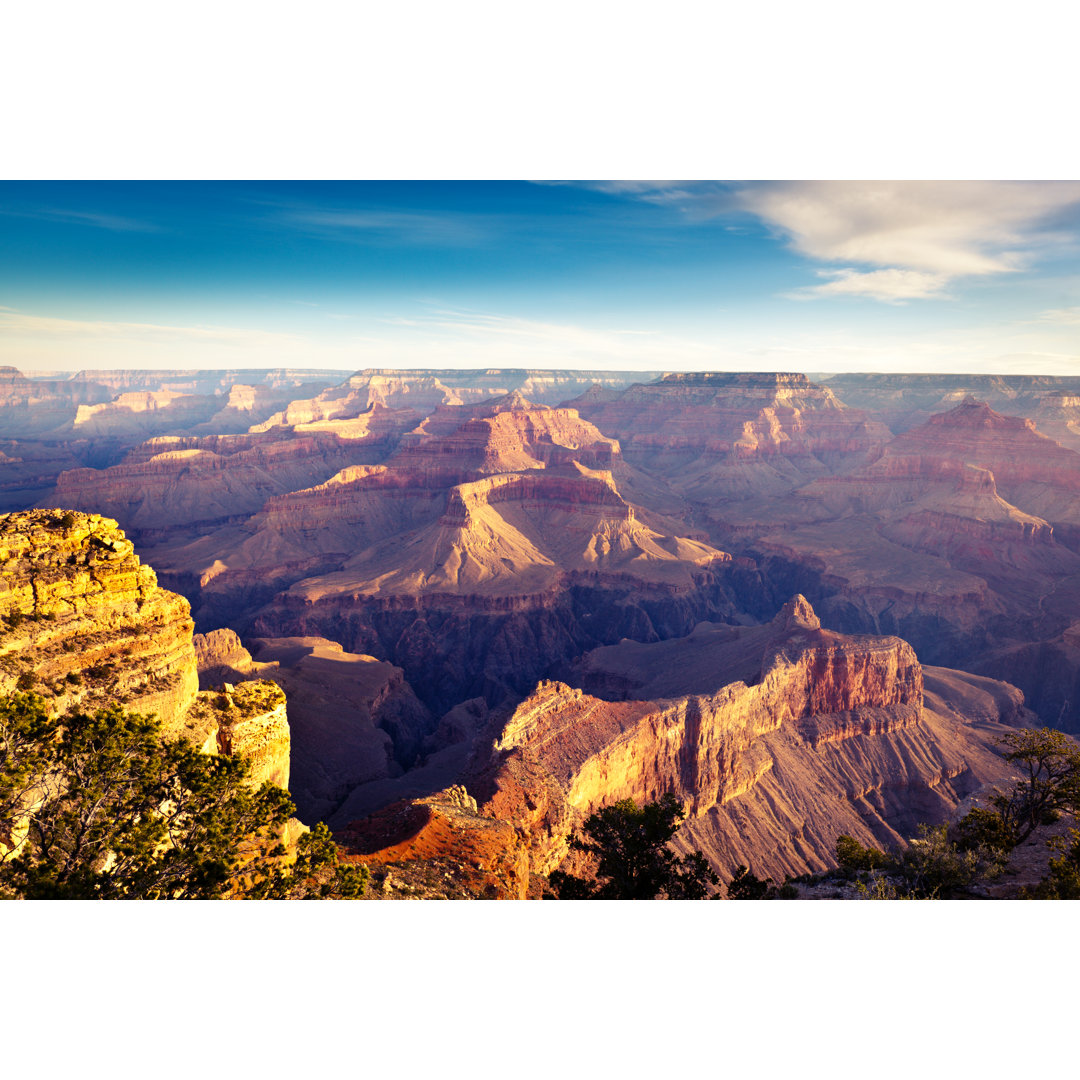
510, 574
84, 623
832, 736
198, 482
717, 436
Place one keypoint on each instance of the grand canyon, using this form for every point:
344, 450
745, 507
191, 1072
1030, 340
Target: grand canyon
458, 612
539, 540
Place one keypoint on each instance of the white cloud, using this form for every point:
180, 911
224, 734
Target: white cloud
891, 240
892, 286
925, 233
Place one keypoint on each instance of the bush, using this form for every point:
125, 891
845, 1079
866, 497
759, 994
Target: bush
853, 857
633, 862
111, 811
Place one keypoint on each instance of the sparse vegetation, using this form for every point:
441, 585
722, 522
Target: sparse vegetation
628, 845
98, 806
1050, 765
853, 857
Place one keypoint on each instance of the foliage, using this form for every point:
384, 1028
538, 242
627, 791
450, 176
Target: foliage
984, 830
745, 886
1049, 762
1063, 881
853, 857
939, 862
933, 867
633, 862
99, 806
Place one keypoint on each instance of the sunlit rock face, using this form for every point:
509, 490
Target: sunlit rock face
826, 734
86, 619
84, 623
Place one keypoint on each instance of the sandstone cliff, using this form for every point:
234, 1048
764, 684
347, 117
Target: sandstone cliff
84, 623
510, 574
192, 482
832, 736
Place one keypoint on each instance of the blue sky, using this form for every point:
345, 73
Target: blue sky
812, 276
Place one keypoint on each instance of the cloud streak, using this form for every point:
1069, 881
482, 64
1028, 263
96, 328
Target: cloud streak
387, 226
79, 217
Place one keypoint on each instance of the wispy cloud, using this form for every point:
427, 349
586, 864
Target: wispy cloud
387, 226
562, 344
40, 327
81, 217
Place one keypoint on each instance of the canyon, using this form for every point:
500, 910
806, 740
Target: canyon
497, 601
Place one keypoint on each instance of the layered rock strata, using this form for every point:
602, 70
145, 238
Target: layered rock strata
733, 435
199, 482
84, 623
515, 572
832, 736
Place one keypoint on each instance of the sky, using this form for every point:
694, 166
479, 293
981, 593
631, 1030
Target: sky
815, 276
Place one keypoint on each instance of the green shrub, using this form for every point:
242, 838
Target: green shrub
853, 857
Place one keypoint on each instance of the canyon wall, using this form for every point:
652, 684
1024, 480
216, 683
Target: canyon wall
832, 737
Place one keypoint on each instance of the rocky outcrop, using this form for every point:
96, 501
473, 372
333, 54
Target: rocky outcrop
831, 737
33, 407
511, 574
139, 415
439, 847
904, 401
189, 482
720, 435
355, 720
427, 390
84, 623
85, 619
221, 657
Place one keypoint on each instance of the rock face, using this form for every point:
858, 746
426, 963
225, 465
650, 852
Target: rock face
905, 401
485, 548
86, 620
84, 623
355, 721
733, 435
32, 407
187, 483
440, 847
960, 537
832, 736
426, 390
517, 571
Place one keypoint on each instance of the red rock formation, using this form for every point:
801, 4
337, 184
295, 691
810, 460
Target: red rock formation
726, 436
439, 847
832, 737
185, 482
